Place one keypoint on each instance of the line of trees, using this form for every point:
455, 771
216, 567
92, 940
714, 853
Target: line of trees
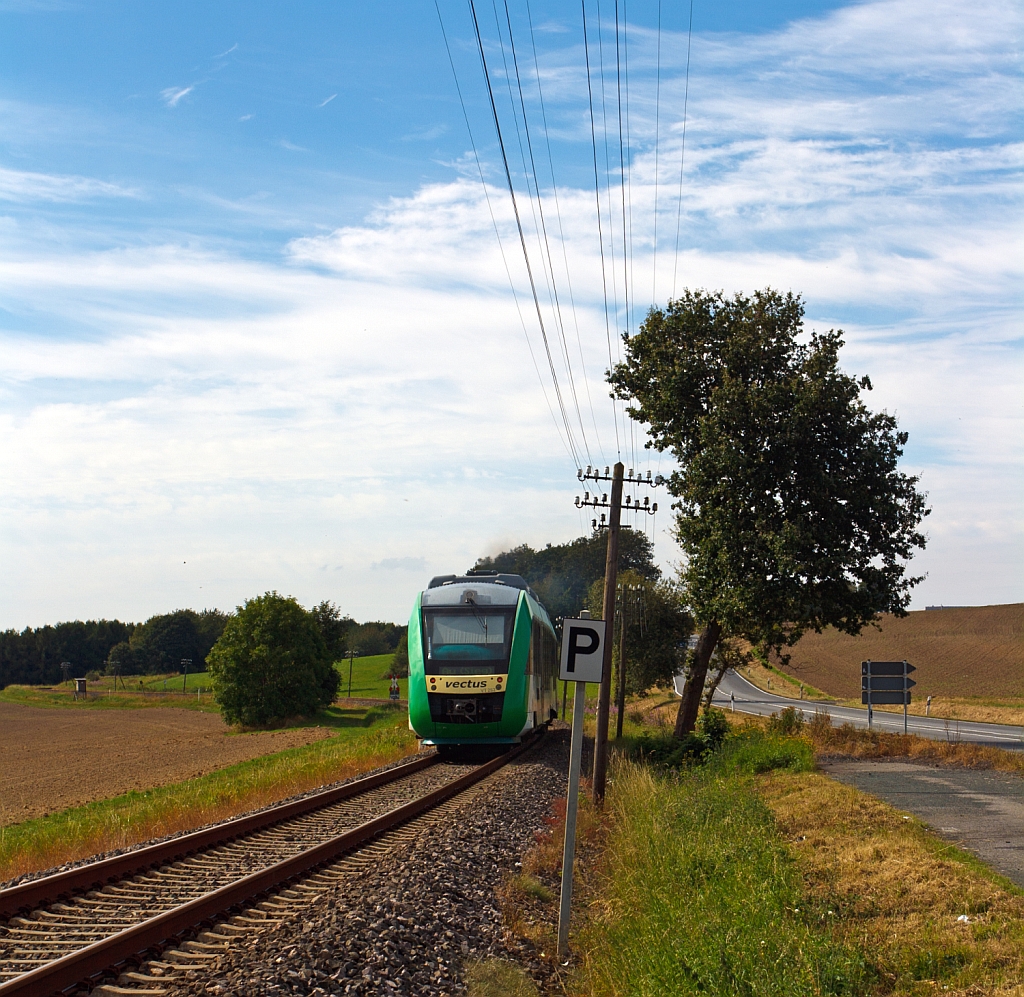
33, 656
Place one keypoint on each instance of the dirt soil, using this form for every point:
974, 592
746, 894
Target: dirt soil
977, 651
55, 759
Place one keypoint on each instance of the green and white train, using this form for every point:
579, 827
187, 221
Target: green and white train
483, 661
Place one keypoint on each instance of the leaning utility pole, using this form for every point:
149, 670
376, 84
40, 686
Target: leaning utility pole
611, 571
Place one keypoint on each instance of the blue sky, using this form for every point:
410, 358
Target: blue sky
257, 327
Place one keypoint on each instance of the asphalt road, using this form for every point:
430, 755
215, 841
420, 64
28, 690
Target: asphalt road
981, 811
750, 699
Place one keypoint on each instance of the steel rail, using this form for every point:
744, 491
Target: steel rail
27, 896
88, 962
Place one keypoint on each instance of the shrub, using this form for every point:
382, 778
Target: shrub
712, 728
788, 722
753, 751
271, 662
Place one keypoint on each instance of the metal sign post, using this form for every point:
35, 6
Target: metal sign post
582, 662
886, 683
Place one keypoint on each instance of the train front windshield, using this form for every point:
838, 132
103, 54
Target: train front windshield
460, 642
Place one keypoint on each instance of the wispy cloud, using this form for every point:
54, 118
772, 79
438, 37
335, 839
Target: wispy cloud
324, 103
172, 95
19, 185
425, 134
291, 146
233, 48
246, 117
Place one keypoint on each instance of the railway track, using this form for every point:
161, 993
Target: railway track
138, 922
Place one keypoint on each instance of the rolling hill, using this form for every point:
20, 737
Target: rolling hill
976, 651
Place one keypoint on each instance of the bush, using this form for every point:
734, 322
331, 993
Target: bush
790, 721
755, 753
712, 728
666, 752
271, 662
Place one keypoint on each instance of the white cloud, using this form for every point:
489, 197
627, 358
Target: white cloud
371, 395
324, 103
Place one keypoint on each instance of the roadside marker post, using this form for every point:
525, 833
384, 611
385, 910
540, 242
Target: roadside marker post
582, 661
886, 683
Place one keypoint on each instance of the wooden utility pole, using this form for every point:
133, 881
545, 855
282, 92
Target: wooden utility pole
611, 572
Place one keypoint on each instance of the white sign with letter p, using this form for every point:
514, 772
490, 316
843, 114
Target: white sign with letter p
582, 650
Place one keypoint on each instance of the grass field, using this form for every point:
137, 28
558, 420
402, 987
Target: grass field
960, 654
139, 691
366, 677
364, 739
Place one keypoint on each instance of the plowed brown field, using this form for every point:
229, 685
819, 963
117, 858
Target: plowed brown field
53, 759
973, 652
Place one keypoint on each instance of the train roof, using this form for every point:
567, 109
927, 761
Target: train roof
482, 588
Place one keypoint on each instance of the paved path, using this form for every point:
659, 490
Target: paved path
750, 699
980, 811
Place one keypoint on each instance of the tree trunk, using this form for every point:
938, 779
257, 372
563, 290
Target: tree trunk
689, 706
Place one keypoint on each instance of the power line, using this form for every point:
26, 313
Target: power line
682, 153
546, 248
600, 234
558, 216
657, 140
522, 237
497, 233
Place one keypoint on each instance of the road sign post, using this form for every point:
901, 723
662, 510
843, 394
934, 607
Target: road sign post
886, 683
582, 661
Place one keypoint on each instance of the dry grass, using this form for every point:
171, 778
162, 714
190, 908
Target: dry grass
979, 650
989, 711
895, 891
854, 742
498, 978
777, 681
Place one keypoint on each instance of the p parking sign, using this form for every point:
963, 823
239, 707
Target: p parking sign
582, 650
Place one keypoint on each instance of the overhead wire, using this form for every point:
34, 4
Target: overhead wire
682, 150
497, 233
561, 231
543, 234
624, 194
657, 142
600, 233
522, 236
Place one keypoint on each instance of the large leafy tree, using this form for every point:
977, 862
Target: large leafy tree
271, 662
791, 511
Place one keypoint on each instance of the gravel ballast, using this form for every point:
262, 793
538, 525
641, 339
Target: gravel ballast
407, 925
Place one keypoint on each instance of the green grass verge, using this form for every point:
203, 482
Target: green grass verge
374, 737
699, 894
145, 691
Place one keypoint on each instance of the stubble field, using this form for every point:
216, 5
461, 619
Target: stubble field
56, 758
975, 652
